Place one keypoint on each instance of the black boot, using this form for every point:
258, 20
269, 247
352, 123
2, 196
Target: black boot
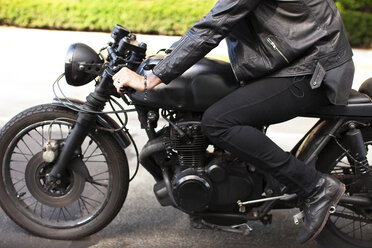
327, 193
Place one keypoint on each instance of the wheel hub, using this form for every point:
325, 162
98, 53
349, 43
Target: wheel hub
67, 190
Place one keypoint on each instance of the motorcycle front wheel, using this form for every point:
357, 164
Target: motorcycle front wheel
91, 191
351, 225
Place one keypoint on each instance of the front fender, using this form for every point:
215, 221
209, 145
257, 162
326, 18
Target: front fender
103, 120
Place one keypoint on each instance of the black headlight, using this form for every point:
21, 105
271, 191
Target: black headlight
82, 64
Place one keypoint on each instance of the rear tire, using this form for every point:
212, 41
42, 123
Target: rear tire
79, 207
350, 226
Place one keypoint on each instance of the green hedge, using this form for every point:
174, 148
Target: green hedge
359, 28
359, 5
168, 17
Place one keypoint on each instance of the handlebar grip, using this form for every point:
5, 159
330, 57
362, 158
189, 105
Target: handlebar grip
126, 90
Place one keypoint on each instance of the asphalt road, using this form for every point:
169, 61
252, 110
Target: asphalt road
30, 61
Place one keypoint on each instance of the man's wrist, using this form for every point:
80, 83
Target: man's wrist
152, 80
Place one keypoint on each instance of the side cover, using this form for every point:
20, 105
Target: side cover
195, 90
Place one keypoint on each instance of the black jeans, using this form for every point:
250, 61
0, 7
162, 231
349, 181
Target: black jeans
234, 123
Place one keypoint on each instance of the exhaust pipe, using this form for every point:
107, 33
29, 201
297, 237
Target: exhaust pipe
152, 147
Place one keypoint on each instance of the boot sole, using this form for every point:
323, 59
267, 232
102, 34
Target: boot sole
335, 201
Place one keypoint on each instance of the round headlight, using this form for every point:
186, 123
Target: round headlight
80, 59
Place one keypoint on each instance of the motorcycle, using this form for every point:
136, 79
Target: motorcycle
65, 174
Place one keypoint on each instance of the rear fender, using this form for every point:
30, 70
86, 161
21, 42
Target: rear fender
103, 120
316, 139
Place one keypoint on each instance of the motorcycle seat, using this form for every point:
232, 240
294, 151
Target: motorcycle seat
359, 105
358, 97
366, 87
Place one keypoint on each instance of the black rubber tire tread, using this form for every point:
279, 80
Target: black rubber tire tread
116, 156
329, 238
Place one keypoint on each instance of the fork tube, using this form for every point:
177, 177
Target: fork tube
95, 102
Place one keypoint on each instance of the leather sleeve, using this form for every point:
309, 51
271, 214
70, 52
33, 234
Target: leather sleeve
205, 35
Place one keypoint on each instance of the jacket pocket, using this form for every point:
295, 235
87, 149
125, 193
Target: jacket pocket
276, 52
277, 49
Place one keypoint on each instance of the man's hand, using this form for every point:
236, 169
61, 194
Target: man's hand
128, 78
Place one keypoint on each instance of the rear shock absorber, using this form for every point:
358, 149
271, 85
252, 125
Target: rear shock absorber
357, 149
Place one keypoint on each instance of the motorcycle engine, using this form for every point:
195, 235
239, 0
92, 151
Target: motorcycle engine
191, 188
202, 180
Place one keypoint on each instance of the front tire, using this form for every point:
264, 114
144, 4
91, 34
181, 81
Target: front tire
350, 226
78, 207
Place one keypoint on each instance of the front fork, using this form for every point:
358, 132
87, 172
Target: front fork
85, 121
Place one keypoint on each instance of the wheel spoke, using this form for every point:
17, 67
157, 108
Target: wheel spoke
28, 197
99, 184
88, 198
18, 181
85, 206
357, 228
50, 217
101, 179
89, 144
18, 161
99, 174
24, 186
97, 155
347, 224
21, 153
37, 142
87, 158
24, 154
80, 208
36, 206
59, 214
33, 154
30, 206
67, 212
98, 189
21, 172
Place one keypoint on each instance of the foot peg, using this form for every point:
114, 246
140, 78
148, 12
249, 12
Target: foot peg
298, 217
243, 229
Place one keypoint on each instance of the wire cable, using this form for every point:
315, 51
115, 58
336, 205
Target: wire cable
76, 107
129, 135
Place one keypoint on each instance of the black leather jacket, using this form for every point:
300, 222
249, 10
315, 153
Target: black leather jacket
277, 38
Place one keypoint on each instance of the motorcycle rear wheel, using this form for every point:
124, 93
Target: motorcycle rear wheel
350, 226
78, 207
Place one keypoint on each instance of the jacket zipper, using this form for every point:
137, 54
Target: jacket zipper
277, 49
236, 77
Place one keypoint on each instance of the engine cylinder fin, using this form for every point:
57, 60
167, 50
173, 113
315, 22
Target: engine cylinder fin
191, 151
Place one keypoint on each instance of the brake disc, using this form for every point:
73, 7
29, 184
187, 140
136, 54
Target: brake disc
68, 189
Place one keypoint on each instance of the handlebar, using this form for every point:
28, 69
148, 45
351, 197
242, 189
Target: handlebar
125, 51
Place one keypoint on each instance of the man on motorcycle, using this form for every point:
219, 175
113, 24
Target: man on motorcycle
290, 57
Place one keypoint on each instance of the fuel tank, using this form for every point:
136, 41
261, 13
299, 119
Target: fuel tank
195, 90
